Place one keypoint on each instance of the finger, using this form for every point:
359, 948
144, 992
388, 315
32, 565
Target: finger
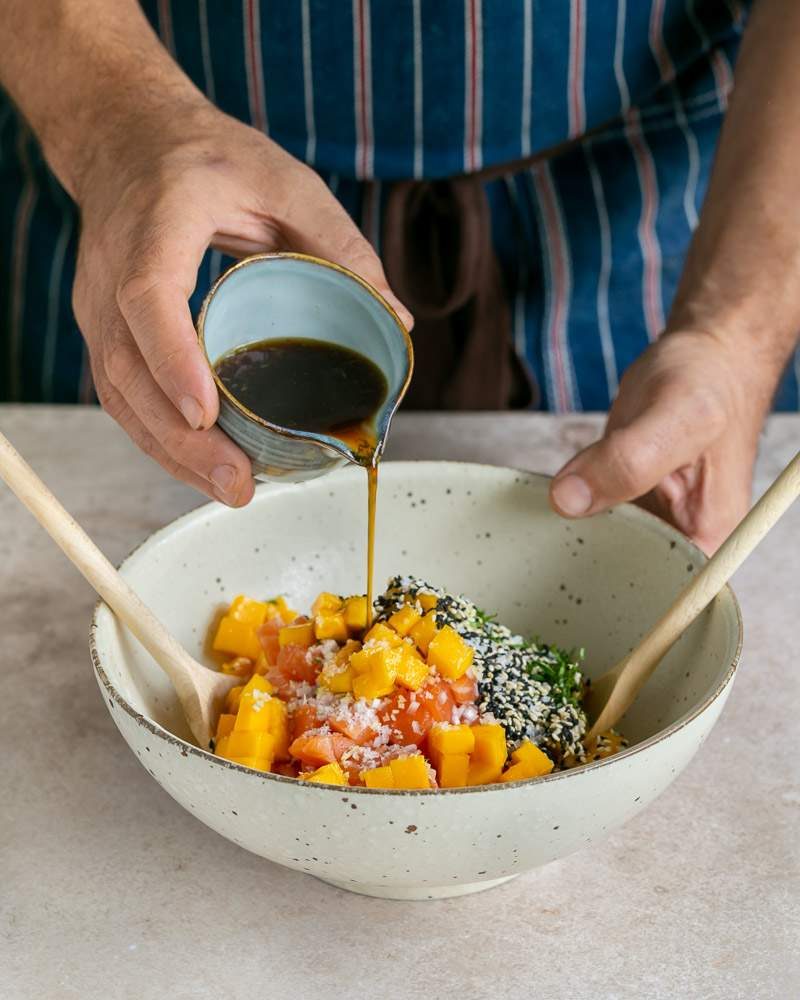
631, 460
116, 407
317, 224
153, 297
708, 500
209, 454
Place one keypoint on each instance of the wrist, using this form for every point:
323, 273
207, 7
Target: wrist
750, 367
755, 318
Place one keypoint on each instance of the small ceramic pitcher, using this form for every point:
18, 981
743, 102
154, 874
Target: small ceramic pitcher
292, 295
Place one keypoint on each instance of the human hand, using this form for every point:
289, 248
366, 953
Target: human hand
162, 189
681, 438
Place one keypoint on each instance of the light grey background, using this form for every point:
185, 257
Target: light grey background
108, 889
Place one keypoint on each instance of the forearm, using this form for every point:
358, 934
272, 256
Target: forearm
81, 70
742, 275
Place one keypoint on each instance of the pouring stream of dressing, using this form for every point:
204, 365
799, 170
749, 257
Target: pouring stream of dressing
313, 385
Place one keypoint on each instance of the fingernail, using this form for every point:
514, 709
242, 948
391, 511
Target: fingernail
192, 412
222, 479
572, 496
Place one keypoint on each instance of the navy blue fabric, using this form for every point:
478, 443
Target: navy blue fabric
371, 91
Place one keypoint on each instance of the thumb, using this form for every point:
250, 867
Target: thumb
630, 460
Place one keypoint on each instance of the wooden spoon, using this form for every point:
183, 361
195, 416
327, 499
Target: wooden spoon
200, 690
611, 695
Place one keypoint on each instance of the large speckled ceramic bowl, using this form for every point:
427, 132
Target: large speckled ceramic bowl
485, 532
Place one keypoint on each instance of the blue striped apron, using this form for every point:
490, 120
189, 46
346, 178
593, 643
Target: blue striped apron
591, 242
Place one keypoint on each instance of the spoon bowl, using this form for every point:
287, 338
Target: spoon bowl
199, 691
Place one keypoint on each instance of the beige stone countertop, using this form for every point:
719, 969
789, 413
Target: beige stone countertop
108, 889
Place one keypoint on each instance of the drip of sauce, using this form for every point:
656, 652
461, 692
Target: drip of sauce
372, 501
313, 385
362, 441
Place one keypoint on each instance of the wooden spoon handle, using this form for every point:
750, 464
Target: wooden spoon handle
90, 561
699, 592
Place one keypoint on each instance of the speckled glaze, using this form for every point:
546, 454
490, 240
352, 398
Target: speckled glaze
277, 295
488, 533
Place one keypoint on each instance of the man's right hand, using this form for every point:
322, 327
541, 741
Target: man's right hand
159, 175
151, 204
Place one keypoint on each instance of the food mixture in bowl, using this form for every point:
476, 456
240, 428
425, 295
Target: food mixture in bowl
431, 694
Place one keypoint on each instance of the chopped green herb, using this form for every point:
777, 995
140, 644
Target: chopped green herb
558, 668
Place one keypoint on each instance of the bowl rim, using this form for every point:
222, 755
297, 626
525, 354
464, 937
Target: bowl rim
218, 510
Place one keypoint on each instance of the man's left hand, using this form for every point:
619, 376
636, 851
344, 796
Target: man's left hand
681, 438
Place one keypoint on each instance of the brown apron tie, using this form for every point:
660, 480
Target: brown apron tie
440, 261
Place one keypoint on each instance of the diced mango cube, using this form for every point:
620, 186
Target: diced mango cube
255, 711
257, 763
262, 664
240, 666
534, 759
378, 777
232, 699
375, 684
452, 739
404, 620
452, 770
237, 638
423, 632
337, 679
224, 725
338, 675
250, 744
490, 745
517, 772
355, 613
258, 683
410, 772
529, 762
344, 654
297, 635
489, 756
481, 773
366, 658
381, 634
526, 751
278, 716
384, 665
287, 614
450, 654
326, 604
412, 670
251, 716
374, 672
328, 774
427, 601
221, 746
246, 610
330, 625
